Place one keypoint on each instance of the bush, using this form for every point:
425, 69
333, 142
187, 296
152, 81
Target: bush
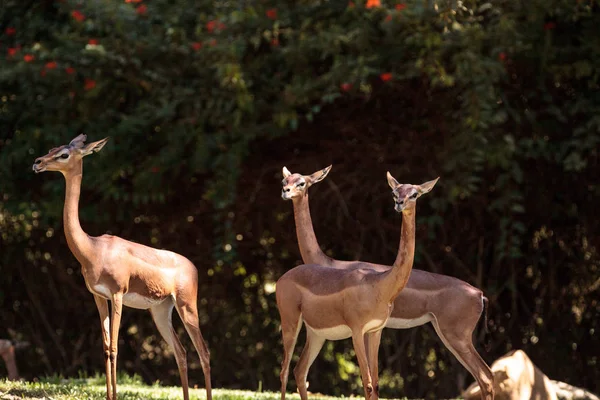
205, 102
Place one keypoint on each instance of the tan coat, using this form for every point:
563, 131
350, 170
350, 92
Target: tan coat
7, 352
516, 378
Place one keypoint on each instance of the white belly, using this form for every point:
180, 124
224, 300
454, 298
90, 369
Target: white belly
132, 300
101, 291
135, 300
401, 323
374, 325
343, 331
334, 333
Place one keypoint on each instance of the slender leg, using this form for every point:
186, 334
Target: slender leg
483, 374
461, 345
188, 312
115, 323
102, 305
162, 316
358, 340
372, 341
290, 327
309, 353
7, 351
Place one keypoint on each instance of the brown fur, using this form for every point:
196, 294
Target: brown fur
453, 306
7, 352
128, 273
336, 303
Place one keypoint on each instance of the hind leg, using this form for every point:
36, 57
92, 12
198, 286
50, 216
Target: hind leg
460, 343
162, 316
188, 312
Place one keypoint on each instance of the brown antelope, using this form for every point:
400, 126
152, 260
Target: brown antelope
127, 273
453, 306
338, 303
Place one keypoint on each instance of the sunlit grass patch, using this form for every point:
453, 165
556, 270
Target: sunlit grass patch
129, 388
92, 388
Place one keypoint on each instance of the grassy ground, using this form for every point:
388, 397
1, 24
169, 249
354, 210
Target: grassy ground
128, 389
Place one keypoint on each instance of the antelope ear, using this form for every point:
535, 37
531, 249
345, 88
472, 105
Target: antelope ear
319, 175
286, 172
427, 186
78, 142
93, 147
392, 181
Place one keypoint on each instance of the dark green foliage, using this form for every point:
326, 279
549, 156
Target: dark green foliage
206, 102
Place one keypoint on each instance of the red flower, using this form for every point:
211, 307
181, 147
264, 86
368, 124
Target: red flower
388, 18
221, 26
141, 10
346, 86
89, 84
10, 31
133, 1
212, 42
12, 51
93, 41
43, 72
400, 6
549, 26
70, 70
386, 76
275, 42
351, 4
51, 65
196, 46
272, 13
28, 58
154, 170
502, 56
210, 26
373, 3
78, 15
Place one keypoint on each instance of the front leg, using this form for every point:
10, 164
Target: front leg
372, 341
313, 345
102, 305
358, 340
117, 308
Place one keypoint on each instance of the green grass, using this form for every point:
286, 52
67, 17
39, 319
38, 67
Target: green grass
57, 388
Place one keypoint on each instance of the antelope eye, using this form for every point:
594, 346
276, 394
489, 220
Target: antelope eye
64, 156
414, 196
301, 184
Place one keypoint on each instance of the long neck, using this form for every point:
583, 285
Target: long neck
307, 241
396, 278
79, 242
